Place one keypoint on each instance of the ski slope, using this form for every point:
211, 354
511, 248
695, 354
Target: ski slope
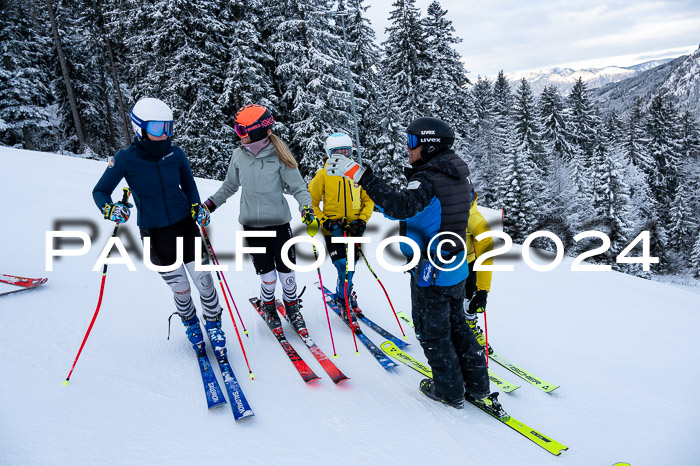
624, 351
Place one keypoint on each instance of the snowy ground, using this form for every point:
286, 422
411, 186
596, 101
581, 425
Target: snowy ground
623, 350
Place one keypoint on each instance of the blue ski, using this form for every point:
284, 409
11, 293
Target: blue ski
215, 397
239, 404
385, 333
376, 352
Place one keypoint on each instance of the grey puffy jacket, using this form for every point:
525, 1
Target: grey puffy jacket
263, 178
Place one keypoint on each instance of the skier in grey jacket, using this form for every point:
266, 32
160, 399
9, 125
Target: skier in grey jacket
263, 166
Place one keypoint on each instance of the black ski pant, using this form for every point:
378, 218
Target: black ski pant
457, 359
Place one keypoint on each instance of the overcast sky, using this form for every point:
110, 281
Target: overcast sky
527, 35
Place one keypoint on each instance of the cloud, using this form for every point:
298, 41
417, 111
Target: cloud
524, 35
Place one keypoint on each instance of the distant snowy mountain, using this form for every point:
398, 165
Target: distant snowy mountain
679, 78
565, 78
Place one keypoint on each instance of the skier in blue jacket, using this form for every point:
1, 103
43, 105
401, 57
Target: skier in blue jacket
168, 204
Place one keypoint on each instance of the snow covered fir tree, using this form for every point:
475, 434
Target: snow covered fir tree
72, 71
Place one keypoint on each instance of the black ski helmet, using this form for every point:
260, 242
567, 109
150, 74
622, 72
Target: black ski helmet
433, 134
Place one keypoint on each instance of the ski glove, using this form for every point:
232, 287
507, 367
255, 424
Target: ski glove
478, 302
343, 166
117, 212
200, 212
335, 227
210, 205
357, 227
307, 215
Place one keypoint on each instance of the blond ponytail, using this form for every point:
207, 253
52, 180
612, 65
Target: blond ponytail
283, 151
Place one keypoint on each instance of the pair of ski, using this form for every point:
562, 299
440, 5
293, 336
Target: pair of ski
306, 373
531, 434
23, 282
500, 383
215, 397
373, 349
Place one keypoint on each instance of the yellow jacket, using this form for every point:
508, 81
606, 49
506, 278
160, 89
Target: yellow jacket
477, 225
340, 198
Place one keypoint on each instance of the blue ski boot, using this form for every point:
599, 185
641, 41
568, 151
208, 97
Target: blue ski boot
216, 337
194, 333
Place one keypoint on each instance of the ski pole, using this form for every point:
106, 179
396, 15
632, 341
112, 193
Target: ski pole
347, 304
210, 252
313, 227
385, 294
124, 201
216, 261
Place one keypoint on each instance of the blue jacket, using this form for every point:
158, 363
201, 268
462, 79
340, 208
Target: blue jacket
163, 186
436, 200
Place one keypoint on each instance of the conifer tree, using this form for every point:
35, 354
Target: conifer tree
694, 259
527, 126
664, 147
309, 75
24, 78
403, 67
636, 141
446, 78
583, 121
555, 133
516, 186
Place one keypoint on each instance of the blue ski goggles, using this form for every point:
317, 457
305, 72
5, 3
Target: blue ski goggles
158, 128
412, 141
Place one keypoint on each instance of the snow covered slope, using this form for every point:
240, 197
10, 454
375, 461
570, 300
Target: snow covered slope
624, 351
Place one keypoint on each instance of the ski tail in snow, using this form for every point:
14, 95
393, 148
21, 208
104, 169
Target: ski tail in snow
24, 283
523, 374
239, 403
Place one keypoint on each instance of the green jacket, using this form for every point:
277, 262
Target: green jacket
263, 179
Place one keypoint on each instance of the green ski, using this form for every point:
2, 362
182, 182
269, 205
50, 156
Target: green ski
523, 374
536, 437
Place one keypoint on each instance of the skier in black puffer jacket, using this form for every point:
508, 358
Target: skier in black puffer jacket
435, 202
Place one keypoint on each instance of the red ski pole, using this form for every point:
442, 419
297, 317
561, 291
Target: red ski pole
216, 261
210, 252
311, 230
124, 201
385, 294
347, 304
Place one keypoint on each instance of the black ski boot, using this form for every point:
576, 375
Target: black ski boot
340, 302
427, 387
489, 404
271, 316
294, 316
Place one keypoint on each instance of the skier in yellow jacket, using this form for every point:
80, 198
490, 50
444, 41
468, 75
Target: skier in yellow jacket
478, 284
346, 209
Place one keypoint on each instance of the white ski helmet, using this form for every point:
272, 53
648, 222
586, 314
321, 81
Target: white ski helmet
339, 141
151, 110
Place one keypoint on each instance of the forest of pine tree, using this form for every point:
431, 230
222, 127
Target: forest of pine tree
71, 71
